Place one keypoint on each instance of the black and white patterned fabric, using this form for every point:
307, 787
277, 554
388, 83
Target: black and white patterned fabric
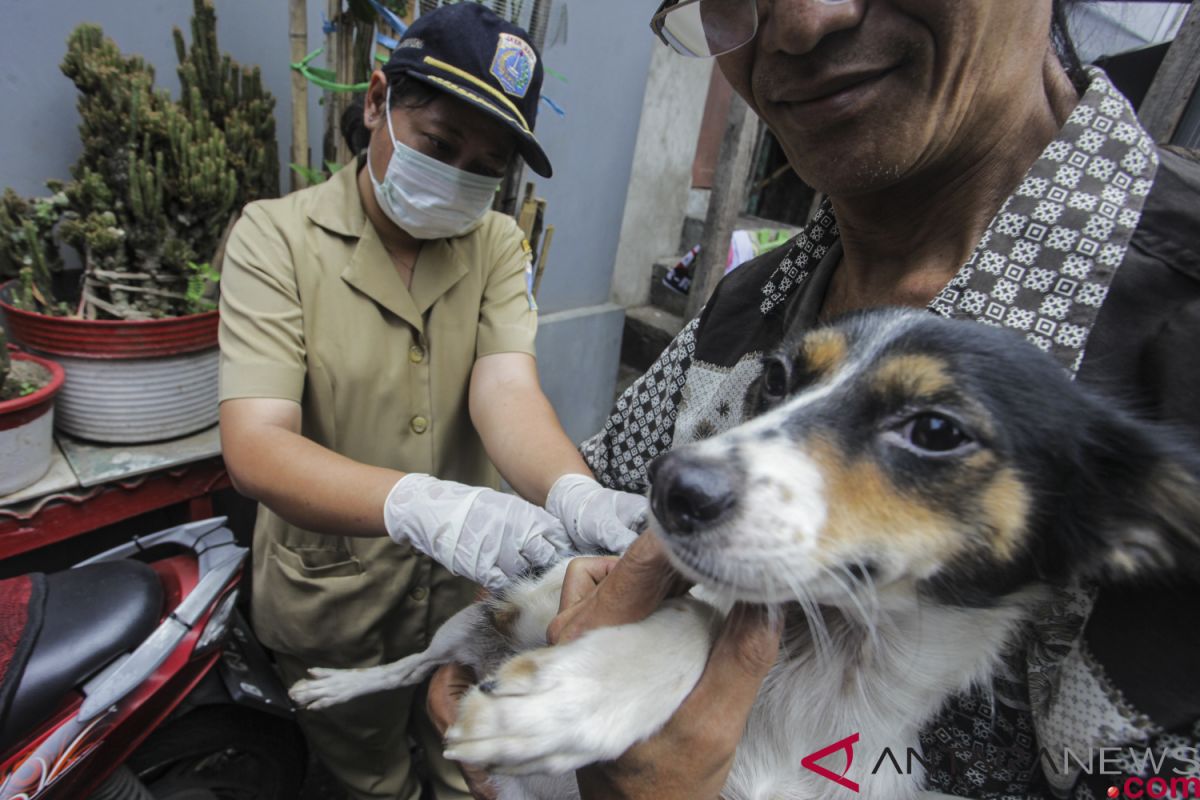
642, 425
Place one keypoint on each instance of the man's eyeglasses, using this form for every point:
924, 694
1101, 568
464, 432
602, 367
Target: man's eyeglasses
705, 28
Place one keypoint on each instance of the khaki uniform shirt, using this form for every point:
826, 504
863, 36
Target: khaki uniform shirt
313, 310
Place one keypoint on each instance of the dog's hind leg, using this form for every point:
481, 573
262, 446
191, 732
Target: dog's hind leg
555, 709
452, 642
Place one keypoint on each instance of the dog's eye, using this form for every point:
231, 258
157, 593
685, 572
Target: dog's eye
775, 379
935, 433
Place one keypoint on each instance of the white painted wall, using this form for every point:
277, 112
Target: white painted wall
1106, 28
662, 170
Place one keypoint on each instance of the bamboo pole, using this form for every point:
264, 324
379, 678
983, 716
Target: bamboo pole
345, 74
298, 36
1176, 81
725, 202
332, 117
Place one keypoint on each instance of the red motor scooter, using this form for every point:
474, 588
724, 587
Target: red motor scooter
145, 682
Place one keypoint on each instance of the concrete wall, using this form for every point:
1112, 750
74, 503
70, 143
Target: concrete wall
605, 57
1107, 28
662, 170
578, 355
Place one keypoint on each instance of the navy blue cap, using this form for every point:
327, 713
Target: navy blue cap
470, 52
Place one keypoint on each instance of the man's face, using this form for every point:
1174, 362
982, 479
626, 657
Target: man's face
864, 93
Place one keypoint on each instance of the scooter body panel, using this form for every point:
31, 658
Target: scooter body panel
71, 755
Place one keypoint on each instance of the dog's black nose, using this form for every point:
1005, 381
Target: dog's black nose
690, 492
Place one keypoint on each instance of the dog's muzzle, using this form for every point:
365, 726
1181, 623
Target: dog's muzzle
690, 492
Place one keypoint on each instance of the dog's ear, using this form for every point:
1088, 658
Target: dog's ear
1145, 505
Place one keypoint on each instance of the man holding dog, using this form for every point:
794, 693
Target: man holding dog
975, 168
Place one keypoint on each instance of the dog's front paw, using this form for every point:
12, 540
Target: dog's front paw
330, 687
537, 714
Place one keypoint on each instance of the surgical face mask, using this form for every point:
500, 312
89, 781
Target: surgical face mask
429, 199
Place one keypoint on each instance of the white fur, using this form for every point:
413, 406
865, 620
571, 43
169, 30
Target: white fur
591, 699
588, 700
330, 687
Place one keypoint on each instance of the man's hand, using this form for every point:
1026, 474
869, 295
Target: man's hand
604, 591
691, 757
446, 689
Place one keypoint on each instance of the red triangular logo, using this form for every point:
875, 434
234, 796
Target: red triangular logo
847, 744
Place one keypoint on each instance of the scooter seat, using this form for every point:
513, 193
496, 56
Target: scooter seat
92, 615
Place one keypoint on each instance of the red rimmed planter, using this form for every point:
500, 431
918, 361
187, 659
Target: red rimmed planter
128, 381
27, 428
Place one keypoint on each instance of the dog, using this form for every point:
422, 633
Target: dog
906, 490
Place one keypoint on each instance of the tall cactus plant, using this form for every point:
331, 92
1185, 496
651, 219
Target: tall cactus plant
5, 364
157, 183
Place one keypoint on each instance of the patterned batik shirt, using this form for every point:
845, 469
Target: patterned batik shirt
1043, 267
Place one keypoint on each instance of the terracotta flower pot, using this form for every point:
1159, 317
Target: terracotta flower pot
128, 381
26, 429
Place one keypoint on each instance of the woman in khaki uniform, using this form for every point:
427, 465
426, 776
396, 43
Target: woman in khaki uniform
377, 340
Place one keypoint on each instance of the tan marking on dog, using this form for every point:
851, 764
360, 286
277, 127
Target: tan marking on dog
504, 619
1006, 506
824, 351
979, 460
518, 669
916, 375
869, 514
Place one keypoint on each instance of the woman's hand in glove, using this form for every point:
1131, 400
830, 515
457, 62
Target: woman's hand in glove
596, 518
474, 532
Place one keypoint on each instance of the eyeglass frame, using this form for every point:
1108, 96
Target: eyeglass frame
658, 26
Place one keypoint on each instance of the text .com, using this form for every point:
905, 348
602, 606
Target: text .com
1156, 788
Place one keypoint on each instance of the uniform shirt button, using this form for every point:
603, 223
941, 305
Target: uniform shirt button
419, 593
419, 424
416, 354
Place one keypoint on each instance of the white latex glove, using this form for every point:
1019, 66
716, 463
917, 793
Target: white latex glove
474, 532
595, 517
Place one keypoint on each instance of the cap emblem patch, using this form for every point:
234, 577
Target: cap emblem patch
513, 64
414, 43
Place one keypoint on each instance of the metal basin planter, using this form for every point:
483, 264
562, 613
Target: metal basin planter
26, 429
128, 381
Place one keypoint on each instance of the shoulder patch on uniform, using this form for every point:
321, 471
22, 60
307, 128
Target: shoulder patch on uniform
513, 64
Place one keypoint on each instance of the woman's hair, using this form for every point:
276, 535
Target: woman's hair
406, 91
1064, 46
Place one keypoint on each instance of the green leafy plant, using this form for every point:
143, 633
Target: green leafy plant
5, 361
311, 176
201, 283
156, 187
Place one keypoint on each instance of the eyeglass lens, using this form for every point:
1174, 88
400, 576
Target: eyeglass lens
710, 27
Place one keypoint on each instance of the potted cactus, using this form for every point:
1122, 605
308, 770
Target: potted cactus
28, 385
156, 189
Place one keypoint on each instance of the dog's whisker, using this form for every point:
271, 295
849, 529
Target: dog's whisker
818, 631
868, 618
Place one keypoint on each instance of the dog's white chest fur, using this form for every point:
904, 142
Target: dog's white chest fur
550, 710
